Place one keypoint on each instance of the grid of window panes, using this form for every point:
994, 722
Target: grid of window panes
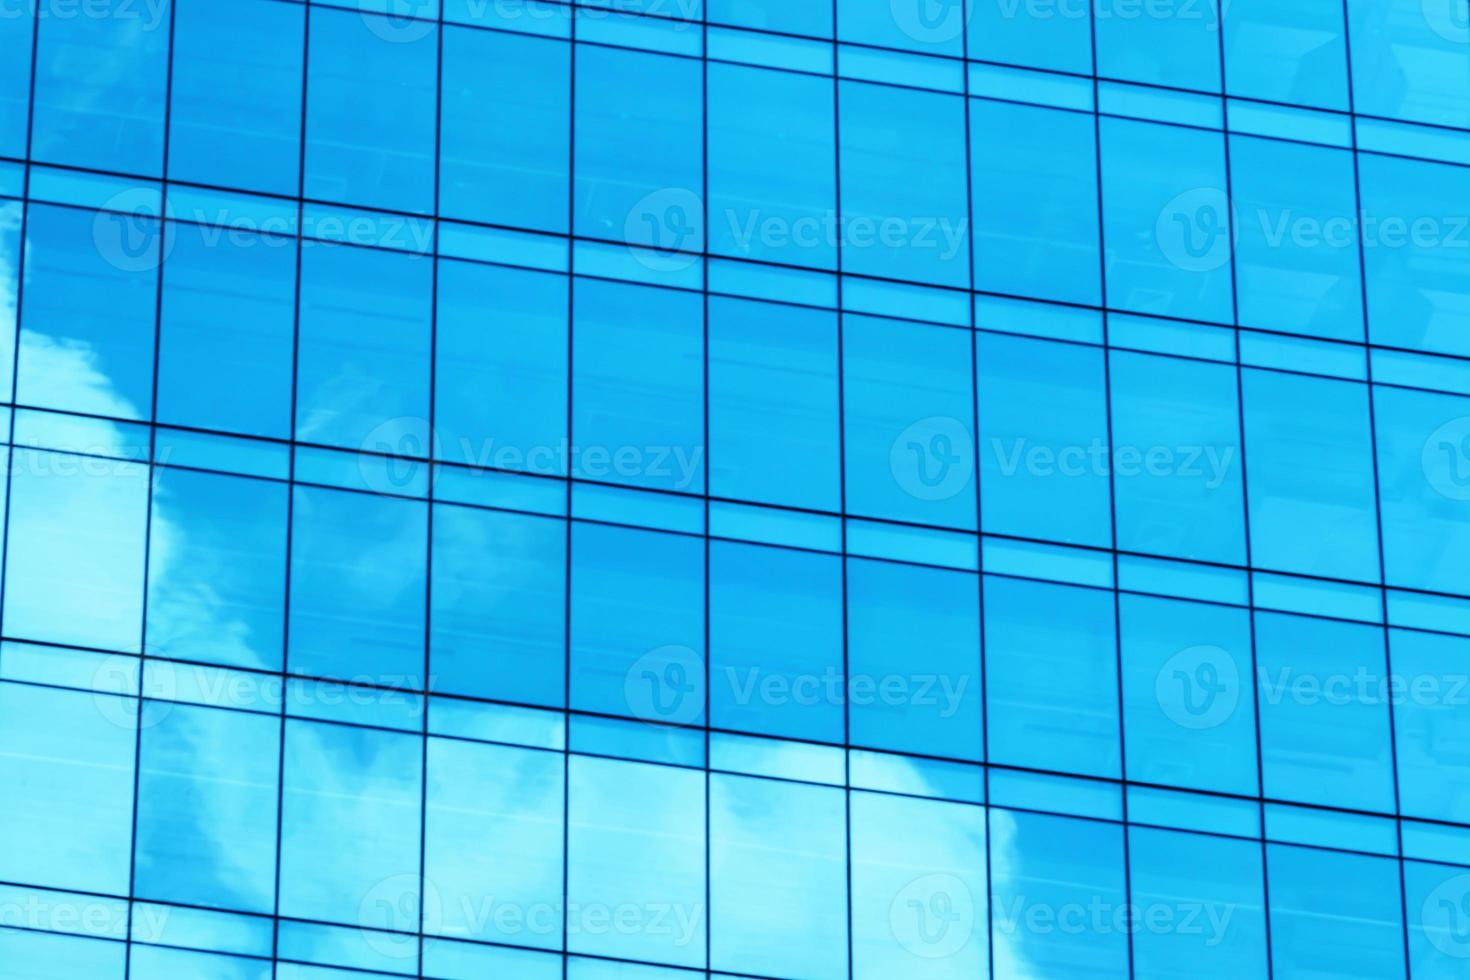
788, 489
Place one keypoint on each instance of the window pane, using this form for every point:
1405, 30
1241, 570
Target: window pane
1334, 914
357, 587
236, 112
207, 807
778, 878
1051, 683
216, 570
499, 600
504, 144
350, 826
370, 113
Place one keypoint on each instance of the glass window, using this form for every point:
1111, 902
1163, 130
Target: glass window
493, 843
1033, 181
1324, 702
916, 25
1057, 888
1334, 914
504, 144
772, 166
776, 641
919, 906
66, 760
1175, 44
1416, 253
638, 386
773, 404
227, 330
913, 652
10, 218
216, 569
1176, 460
908, 408
363, 350
814, 19
1200, 902
350, 826
371, 111
637, 623
1188, 698
1166, 220
1051, 682
1409, 60
1424, 484
47, 956
1432, 723
101, 85
1310, 483
1043, 439
89, 310
1055, 35
636, 854
1286, 51
15, 82
497, 613
207, 807
1297, 242
500, 362
1437, 897
357, 587
639, 161
74, 562
778, 878
235, 117
904, 201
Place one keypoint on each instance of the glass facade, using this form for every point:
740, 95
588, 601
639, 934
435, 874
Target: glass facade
662, 489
